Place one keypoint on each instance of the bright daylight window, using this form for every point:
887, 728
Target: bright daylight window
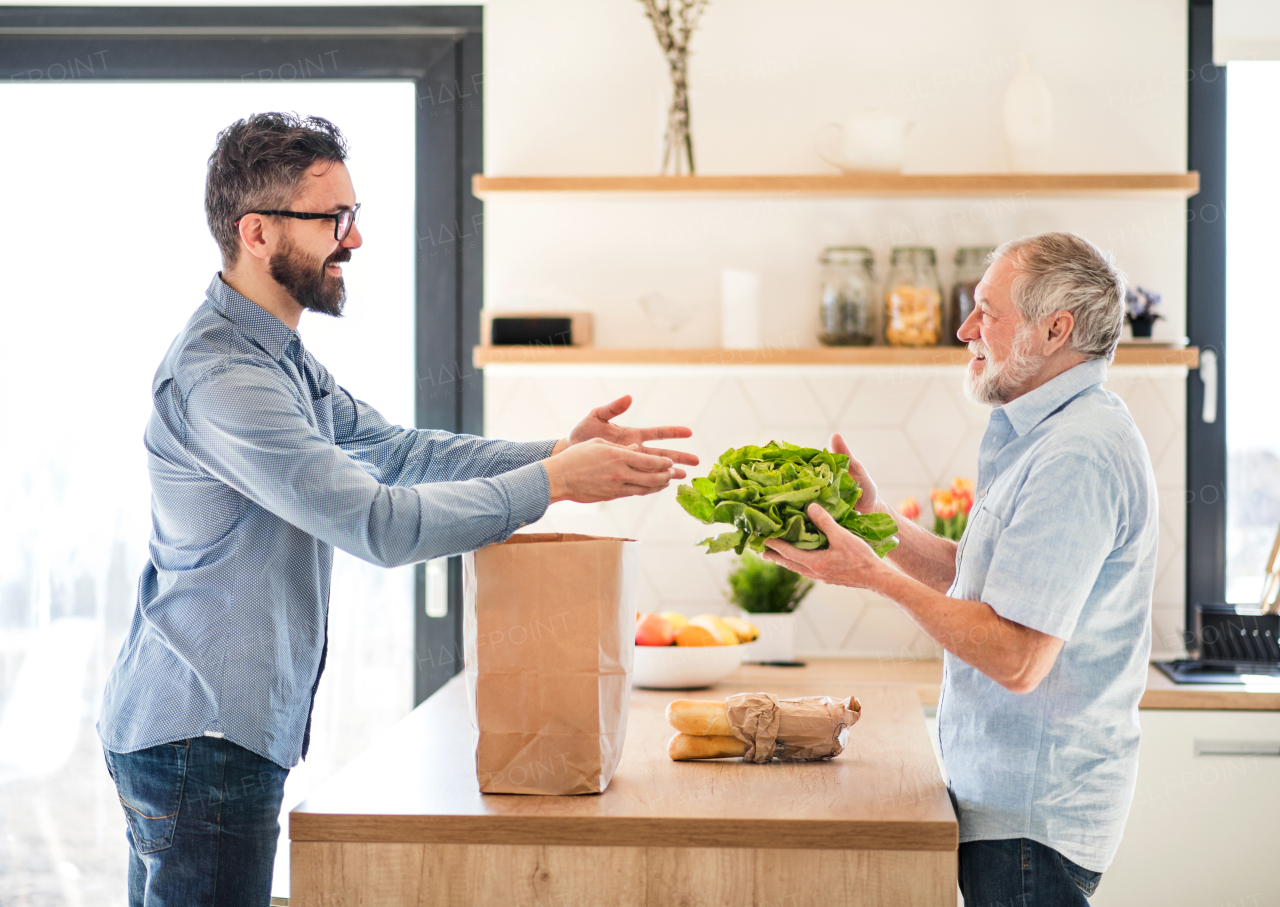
107, 255
1253, 324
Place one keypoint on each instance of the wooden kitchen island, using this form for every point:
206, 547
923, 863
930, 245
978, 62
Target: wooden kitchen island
405, 824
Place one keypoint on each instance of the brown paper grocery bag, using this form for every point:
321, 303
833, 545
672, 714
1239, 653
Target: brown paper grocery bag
549, 633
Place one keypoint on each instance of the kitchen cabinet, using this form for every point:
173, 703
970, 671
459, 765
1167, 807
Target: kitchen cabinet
1203, 812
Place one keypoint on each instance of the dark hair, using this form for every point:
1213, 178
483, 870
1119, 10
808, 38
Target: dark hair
258, 164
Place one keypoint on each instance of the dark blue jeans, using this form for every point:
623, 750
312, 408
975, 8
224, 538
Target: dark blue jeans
203, 819
1020, 872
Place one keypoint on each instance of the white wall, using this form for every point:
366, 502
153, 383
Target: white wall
577, 87
573, 86
911, 427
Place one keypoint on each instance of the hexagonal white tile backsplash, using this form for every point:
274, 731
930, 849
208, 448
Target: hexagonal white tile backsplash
912, 428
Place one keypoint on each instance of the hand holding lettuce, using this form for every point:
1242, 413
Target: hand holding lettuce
763, 493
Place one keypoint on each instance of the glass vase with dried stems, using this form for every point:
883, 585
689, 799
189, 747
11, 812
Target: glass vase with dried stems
674, 22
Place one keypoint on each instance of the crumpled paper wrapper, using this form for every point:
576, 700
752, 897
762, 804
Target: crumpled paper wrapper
794, 730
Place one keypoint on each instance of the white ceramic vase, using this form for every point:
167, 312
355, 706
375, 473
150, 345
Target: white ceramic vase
1028, 119
777, 636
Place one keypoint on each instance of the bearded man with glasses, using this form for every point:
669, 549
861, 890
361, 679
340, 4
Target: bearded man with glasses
260, 464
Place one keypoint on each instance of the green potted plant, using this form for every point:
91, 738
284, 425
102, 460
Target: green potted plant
769, 595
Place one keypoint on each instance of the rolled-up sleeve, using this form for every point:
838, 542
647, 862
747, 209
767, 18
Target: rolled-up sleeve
247, 427
1050, 549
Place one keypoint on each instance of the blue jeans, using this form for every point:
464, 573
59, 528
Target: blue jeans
203, 819
1020, 872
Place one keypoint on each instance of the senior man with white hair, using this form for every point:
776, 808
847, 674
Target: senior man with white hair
1043, 607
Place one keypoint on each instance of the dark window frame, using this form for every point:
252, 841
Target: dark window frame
440, 49
1206, 530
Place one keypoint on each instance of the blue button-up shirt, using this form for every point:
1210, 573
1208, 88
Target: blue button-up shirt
1062, 539
260, 464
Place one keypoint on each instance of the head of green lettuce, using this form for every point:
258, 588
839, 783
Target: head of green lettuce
763, 493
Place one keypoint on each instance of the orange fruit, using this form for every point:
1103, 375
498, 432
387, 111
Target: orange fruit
695, 636
718, 628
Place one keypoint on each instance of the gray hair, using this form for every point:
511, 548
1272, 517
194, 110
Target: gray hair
1061, 272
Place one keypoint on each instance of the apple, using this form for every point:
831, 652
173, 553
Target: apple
654, 630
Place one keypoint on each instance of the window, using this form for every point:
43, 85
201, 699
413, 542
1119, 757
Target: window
108, 255
111, 258
1253, 324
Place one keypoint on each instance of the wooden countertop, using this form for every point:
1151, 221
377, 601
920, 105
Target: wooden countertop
418, 784
926, 677
1163, 693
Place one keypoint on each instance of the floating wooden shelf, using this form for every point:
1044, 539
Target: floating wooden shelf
1186, 357
1182, 185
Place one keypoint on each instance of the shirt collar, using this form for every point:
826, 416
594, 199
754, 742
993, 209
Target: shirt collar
1033, 407
255, 322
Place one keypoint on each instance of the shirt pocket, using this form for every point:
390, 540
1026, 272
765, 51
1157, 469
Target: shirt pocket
323, 409
150, 784
981, 535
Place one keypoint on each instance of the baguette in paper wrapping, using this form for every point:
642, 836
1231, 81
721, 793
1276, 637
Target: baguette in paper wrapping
699, 718
795, 730
685, 746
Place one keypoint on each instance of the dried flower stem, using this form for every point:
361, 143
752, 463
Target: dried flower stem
674, 22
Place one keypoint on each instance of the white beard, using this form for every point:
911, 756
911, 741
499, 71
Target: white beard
1000, 383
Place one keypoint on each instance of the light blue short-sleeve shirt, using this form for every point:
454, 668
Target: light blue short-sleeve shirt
1062, 539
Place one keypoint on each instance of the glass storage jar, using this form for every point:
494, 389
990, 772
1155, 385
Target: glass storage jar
846, 316
913, 298
971, 264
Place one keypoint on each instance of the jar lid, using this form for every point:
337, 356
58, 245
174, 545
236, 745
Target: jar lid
845, 255
914, 254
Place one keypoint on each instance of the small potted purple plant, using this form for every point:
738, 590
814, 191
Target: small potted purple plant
1141, 309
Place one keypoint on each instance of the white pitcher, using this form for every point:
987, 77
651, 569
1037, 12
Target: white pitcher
869, 141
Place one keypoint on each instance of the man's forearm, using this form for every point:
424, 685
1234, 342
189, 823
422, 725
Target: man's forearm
922, 555
1015, 656
1012, 655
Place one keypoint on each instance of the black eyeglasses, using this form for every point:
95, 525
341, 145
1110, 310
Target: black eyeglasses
343, 220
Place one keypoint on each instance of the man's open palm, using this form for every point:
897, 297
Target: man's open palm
599, 424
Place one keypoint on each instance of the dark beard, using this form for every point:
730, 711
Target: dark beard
305, 280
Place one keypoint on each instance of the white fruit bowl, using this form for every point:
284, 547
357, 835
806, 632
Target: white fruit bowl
686, 667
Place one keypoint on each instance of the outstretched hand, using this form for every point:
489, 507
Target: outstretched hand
849, 561
598, 470
599, 424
